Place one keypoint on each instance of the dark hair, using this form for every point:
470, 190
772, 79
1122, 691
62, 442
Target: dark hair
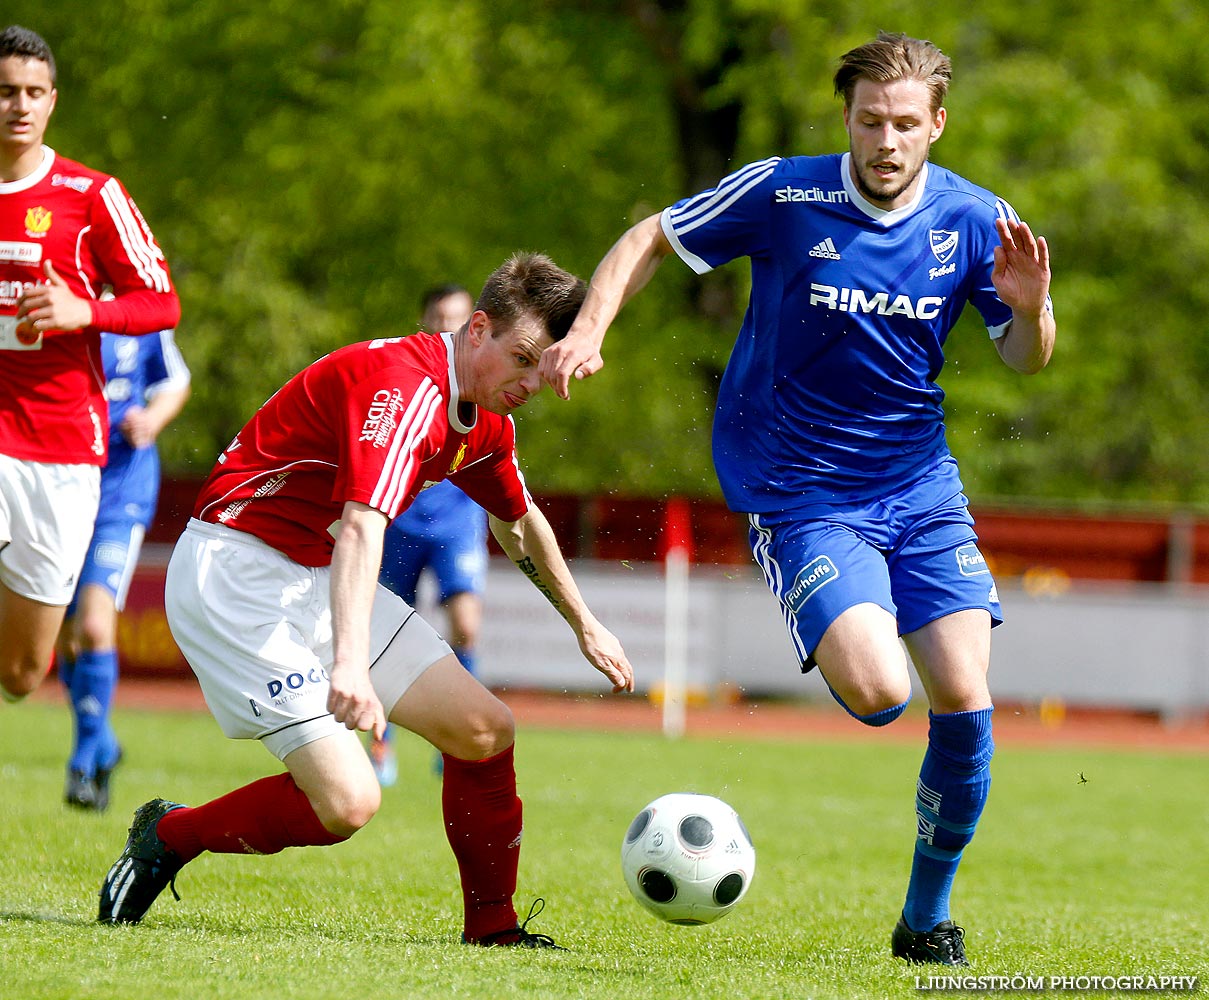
438, 292
25, 44
532, 285
895, 56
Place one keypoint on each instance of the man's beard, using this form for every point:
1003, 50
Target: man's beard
891, 194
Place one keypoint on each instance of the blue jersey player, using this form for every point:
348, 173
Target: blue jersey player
146, 385
829, 432
445, 532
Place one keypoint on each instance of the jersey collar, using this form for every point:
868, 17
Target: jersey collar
29, 180
462, 416
886, 218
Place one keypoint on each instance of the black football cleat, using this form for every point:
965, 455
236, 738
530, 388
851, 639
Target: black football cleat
518, 937
944, 944
102, 783
80, 790
143, 869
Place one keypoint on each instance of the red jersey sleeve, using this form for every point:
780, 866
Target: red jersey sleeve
124, 253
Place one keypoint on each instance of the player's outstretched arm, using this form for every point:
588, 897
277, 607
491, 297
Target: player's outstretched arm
1022, 278
622, 273
530, 543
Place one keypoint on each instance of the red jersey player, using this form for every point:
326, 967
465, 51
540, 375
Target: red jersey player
66, 232
272, 594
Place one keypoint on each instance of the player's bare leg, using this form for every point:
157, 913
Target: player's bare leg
465, 615
29, 629
864, 664
338, 781
952, 656
455, 713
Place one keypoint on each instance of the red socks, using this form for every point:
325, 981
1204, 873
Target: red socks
483, 824
482, 821
261, 818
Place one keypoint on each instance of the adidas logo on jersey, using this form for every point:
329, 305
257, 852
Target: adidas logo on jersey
826, 250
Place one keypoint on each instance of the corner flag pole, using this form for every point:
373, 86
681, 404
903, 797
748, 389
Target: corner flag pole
677, 536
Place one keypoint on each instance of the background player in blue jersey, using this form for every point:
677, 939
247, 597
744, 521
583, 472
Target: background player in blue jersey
443, 532
829, 432
146, 385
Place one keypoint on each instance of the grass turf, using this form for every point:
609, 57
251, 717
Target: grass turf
1086, 863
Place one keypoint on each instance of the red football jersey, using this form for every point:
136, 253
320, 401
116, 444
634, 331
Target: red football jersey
52, 407
372, 422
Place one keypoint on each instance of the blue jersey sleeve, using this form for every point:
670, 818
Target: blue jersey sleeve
727, 221
995, 313
163, 365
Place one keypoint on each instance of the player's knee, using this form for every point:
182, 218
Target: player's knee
877, 704
12, 697
95, 633
347, 809
489, 730
21, 677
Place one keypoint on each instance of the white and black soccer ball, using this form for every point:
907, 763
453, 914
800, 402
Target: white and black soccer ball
688, 858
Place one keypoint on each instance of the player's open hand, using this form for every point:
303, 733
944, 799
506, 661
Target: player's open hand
1021, 274
573, 357
603, 650
352, 701
53, 305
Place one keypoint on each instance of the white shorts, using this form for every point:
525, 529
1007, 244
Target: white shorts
256, 627
47, 511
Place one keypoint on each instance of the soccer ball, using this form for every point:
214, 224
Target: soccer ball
688, 858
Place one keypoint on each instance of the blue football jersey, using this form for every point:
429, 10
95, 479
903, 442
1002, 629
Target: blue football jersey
830, 392
136, 368
440, 511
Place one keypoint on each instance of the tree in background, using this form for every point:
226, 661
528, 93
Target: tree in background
316, 166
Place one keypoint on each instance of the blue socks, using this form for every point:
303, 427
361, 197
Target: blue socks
90, 683
953, 785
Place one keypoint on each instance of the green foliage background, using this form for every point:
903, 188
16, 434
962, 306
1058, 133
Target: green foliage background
311, 168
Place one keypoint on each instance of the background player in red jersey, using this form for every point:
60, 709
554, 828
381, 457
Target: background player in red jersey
66, 233
272, 594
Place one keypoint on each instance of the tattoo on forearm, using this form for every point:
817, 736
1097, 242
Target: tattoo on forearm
527, 567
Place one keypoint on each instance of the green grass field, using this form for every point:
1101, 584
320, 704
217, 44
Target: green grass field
1107, 876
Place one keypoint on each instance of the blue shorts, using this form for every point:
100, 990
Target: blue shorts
112, 556
914, 553
127, 508
457, 559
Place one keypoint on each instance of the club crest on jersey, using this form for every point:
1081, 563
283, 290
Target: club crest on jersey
37, 221
457, 459
943, 243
